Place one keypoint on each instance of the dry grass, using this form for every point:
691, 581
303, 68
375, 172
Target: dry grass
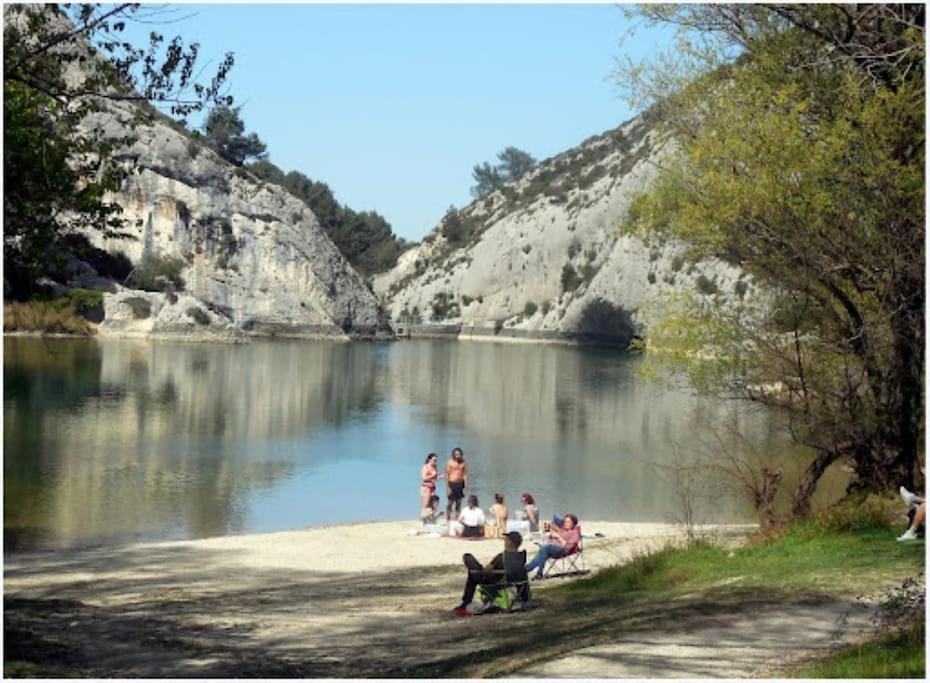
58, 316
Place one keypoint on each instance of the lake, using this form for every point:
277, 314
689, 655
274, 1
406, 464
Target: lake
108, 441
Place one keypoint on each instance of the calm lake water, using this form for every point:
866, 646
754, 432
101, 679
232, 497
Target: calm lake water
107, 441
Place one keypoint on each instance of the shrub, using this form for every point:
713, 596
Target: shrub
158, 274
591, 254
705, 285
529, 310
546, 307
199, 316
466, 300
588, 272
443, 306
570, 279
651, 277
57, 316
740, 287
860, 514
677, 263
527, 248
573, 248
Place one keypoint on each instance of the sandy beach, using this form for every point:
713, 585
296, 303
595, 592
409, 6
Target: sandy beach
338, 600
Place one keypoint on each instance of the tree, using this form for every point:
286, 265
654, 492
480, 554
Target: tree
487, 179
800, 141
224, 131
63, 68
514, 163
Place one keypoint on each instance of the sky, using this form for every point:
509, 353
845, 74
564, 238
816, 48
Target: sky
393, 105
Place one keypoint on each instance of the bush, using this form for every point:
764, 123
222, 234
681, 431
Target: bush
651, 277
529, 310
527, 248
570, 279
158, 274
740, 288
860, 514
574, 248
546, 307
677, 263
57, 316
199, 316
705, 285
444, 307
466, 300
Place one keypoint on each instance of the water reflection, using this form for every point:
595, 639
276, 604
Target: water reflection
110, 440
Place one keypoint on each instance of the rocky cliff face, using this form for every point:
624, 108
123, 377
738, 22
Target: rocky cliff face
544, 258
255, 260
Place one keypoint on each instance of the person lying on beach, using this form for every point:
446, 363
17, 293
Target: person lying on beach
530, 512
430, 513
916, 514
456, 481
428, 476
564, 537
499, 512
489, 574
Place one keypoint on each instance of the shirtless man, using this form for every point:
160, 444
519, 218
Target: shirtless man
456, 481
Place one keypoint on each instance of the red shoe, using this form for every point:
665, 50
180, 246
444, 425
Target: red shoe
462, 612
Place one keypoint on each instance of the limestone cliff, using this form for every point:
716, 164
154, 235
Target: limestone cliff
255, 258
544, 258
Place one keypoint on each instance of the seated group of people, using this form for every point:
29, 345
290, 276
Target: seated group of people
564, 538
472, 521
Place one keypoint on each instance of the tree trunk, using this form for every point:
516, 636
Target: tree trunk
766, 498
801, 505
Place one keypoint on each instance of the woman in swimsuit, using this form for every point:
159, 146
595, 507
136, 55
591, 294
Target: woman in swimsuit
428, 478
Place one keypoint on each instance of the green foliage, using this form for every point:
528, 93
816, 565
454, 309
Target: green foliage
810, 166
570, 278
513, 165
546, 307
895, 655
529, 310
158, 274
198, 315
224, 131
705, 285
57, 174
855, 514
444, 306
365, 238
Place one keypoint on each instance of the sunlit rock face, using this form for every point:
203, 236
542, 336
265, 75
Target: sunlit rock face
546, 260
250, 251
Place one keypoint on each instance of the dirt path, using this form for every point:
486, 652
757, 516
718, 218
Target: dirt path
719, 646
356, 601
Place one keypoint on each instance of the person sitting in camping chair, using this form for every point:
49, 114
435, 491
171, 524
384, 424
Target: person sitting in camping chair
564, 538
506, 568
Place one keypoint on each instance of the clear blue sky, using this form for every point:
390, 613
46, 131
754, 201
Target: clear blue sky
392, 105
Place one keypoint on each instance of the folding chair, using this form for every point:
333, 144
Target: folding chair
512, 576
572, 563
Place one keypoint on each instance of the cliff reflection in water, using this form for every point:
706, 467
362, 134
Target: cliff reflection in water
109, 440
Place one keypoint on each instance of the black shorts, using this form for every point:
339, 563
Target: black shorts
456, 490
472, 531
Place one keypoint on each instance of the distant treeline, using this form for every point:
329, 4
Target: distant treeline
365, 238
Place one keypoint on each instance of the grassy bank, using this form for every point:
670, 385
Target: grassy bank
847, 552
897, 655
62, 315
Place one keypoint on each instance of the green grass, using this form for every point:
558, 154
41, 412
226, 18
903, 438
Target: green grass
815, 557
897, 655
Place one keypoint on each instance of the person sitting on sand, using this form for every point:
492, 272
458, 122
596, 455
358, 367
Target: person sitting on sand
488, 574
430, 513
471, 521
564, 538
530, 512
916, 514
428, 476
456, 481
499, 512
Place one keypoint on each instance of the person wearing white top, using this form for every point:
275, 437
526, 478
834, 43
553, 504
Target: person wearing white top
471, 520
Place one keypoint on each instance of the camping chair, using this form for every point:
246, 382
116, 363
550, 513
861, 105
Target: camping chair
572, 563
513, 576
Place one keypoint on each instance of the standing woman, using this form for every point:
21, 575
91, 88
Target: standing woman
530, 512
428, 477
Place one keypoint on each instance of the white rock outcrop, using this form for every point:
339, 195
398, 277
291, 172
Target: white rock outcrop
546, 259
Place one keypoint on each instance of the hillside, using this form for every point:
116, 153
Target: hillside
544, 259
